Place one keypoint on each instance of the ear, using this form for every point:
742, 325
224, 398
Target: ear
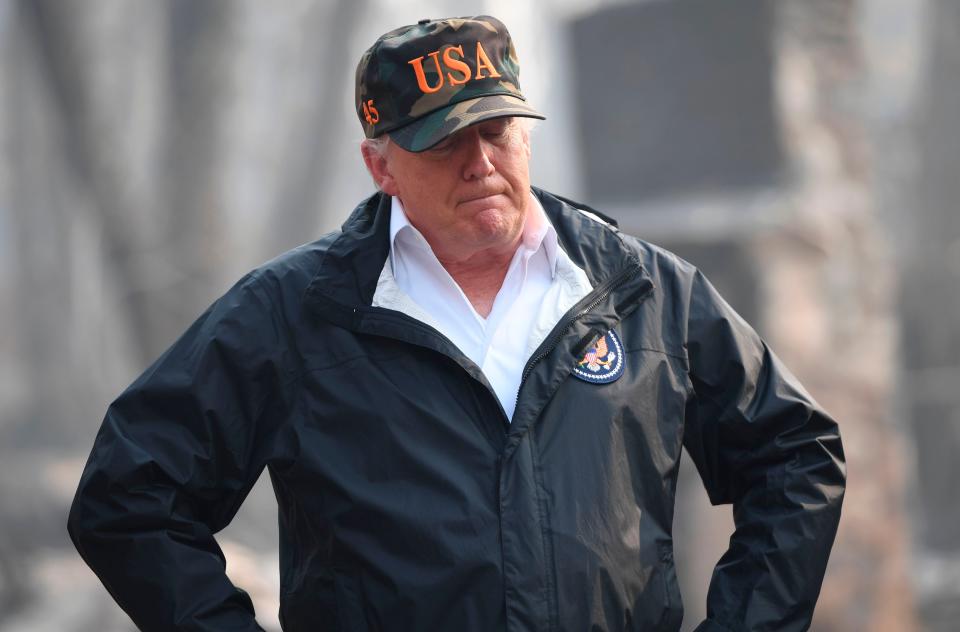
378, 164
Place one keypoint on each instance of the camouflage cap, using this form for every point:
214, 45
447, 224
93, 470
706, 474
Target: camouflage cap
423, 82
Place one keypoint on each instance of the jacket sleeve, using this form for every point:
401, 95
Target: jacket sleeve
176, 455
763, 444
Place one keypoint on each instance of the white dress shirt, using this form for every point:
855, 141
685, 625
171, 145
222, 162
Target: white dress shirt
541, 284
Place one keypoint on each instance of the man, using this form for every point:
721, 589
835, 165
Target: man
471, 401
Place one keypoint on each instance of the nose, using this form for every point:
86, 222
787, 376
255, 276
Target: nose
477, 163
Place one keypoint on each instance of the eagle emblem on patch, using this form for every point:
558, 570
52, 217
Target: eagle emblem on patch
603, 360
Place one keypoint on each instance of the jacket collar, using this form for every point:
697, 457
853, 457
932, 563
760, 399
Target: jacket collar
348, 273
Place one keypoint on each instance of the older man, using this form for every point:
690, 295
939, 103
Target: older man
471, 400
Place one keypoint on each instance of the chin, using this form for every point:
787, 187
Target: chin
494, 226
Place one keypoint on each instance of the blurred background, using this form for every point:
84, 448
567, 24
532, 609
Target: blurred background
804, 153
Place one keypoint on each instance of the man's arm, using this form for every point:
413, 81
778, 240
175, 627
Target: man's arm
762, 443
176, 455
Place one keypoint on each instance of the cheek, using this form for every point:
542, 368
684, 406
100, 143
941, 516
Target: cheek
425, 186
413, 182
519, 177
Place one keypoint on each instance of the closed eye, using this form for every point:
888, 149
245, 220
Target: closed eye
496, 131
440, 149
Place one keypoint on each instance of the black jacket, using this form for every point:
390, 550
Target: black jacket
409, 502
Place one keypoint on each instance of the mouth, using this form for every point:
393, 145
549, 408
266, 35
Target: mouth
480, 198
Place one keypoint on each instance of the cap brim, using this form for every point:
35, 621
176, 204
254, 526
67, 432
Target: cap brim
426, 132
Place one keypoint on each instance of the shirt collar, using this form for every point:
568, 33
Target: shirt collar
537, 232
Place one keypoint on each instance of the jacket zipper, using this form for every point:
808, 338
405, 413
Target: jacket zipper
560, 330
545, 350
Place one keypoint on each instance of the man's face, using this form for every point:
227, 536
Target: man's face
468, 194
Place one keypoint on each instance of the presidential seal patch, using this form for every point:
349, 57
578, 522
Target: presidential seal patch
603, 361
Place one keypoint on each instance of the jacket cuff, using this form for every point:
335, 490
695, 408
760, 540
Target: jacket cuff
711, 626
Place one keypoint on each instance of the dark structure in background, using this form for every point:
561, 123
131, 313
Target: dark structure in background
679, 98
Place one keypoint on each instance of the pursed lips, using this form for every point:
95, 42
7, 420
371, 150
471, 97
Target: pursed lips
478, 198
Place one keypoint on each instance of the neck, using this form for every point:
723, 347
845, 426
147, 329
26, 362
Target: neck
481, 276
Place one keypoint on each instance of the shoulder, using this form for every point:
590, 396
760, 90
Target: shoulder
669, 272
292, 271
592, 229
680, 291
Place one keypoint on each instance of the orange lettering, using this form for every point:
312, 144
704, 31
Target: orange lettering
456, 64
484, 62
421, 78
370, 113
